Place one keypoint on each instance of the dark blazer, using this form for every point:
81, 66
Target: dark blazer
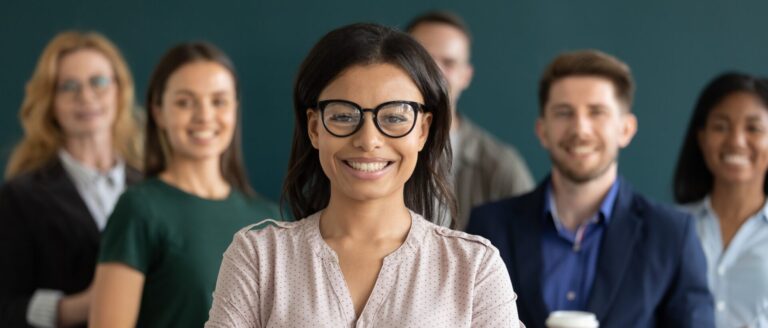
651, 271
48, 239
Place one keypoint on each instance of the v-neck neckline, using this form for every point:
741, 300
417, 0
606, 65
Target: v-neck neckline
384, 280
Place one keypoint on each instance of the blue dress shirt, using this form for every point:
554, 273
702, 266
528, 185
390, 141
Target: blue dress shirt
570, 257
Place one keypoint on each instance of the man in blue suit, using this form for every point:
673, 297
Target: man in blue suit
583, 239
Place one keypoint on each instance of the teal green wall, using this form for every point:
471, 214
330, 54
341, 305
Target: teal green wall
673, 47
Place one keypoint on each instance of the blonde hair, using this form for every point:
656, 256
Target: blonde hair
42, 134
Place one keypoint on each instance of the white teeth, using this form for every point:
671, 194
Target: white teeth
206, 134
581, 150
736, 159
367, 167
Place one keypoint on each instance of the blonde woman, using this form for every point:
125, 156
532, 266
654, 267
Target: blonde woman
79, 151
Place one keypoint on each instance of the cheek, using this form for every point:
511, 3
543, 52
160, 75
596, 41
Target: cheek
111, 99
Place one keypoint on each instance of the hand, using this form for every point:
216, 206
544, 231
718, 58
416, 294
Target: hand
73, 309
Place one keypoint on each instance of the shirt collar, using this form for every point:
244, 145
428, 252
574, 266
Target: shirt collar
81, 172
606, 206
707, 211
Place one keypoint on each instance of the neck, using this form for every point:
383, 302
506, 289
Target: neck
200, 178
455, 120
93, 150
737, 202
365, 220
577, 202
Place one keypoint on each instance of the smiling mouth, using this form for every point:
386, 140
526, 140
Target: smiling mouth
203, 134
87, 114
736, 159
368, 166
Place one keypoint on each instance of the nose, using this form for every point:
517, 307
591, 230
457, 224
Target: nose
204, 111
85, 93
368, 137
737, 138
581, 123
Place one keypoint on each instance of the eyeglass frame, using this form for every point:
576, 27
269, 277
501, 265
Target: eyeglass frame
80, 86
417, 107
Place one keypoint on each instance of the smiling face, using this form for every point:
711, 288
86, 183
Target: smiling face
734, 140
369, 165
583, 127
199, 111
86, 94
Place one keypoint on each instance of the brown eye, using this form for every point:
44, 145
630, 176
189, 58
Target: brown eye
183, 103
220, 102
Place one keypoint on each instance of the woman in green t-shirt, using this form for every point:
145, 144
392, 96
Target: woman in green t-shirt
164, 242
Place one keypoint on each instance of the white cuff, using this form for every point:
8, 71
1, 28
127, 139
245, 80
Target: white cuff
43, 308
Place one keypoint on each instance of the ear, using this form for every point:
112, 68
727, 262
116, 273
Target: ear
313, 126
541, 132
425, 124
628, 129
469, 72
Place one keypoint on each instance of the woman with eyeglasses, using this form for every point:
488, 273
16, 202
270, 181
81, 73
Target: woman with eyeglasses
369, 159
164, 242
721, 179
81, 147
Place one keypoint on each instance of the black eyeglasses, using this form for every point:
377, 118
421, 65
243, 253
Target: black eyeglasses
394, 119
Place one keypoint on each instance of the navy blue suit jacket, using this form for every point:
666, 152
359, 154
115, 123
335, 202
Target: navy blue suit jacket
651, 271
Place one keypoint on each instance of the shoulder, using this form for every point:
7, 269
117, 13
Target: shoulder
466, 250
139, 201
36, 179
271, 233
454, 240
662, 222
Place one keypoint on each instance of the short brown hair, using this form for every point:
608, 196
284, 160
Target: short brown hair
588, 63
440, 17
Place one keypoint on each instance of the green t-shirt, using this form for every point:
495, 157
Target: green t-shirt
177, 240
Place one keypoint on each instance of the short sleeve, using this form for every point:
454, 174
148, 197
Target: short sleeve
494, 303
130, 238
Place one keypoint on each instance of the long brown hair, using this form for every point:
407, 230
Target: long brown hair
693, 180
157, 147
42, 134
306, 186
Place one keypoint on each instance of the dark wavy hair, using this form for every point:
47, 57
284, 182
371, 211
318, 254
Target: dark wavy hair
157, 149
693, 180
306, 188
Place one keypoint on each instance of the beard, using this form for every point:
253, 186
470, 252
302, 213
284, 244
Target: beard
581, 176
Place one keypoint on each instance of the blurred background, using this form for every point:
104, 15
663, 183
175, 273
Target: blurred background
673, 47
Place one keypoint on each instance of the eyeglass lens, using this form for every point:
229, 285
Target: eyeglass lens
98, 84
394, 119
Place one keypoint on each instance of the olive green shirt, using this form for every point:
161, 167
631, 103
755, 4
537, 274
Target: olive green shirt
176, 240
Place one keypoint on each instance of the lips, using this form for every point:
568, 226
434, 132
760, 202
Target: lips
87, 114
367, 166
581, 150
735, 159
203, 134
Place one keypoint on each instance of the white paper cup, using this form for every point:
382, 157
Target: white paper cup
572, 319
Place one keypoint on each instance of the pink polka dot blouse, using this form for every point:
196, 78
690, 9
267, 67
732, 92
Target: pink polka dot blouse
285, 275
